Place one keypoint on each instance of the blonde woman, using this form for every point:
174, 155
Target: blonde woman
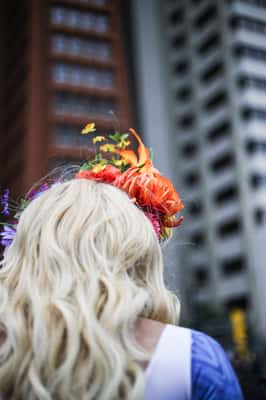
84, 312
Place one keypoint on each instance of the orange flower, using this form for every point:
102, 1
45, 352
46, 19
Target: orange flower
143, 153
106, 175
143, 183
151, 190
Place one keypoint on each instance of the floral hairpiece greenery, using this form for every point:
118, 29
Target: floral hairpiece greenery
136, 175
132, 172
9, 229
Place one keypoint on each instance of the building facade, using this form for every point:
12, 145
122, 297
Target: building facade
66, 67
200, 85
210, 60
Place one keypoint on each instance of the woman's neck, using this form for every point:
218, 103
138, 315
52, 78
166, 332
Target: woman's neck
148, 333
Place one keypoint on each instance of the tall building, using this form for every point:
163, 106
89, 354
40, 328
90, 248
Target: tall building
200, 85
63, 64
208, 61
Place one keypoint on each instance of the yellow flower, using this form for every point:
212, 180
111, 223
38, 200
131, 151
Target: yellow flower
118, 163
98, 167
97, 139
123, 143
90, 127
108, 147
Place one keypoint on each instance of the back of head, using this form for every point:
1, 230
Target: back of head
84, 265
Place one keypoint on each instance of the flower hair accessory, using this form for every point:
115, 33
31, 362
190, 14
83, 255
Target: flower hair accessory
8, 232
113, 163
136, 175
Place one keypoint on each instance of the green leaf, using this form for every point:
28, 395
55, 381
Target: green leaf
116, 137
85, 166
6, 224
23, 203
124, 167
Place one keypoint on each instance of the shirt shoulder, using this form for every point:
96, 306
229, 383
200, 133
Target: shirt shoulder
212, 375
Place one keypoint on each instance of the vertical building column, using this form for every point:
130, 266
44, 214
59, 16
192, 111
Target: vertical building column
151, 82
154, 111
37, 138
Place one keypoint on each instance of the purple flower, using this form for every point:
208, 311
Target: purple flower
8, 234
4, 202
36, 192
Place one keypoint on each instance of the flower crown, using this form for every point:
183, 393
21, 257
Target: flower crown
125, 169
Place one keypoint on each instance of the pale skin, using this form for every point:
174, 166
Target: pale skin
148, 333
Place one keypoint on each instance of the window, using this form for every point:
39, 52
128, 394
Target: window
255, 180
179, 41
241, 302
223, 162
186, 121
64, 103
259, 215
246, 113
251, 24
251, 82
208, 14
215, 101
191, 178
259, 3
229, 228
220, 131
233, 266
242, 82
258, 180
252, 113
69, 135
58, 15
60, 73
212, 72
250, 146
73, 18
189, 149
195, 208
95, 49
66, 135
102, 107
59, 43
102, 78
201, 276
196, 2
212, 42
181, 67
95, 2
250, 52
255, 146
184, 93
226, 195
198, 239
177, 16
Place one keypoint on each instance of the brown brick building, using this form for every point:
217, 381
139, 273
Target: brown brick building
63, 64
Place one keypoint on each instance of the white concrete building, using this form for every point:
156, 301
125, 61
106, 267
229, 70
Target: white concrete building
202, 71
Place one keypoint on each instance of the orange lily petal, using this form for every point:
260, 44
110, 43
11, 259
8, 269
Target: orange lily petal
129, 156
143, 152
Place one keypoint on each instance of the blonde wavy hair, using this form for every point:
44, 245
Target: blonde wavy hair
84, 266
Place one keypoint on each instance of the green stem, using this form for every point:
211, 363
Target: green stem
6, 223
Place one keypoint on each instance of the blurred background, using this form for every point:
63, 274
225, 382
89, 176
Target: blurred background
190, 76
